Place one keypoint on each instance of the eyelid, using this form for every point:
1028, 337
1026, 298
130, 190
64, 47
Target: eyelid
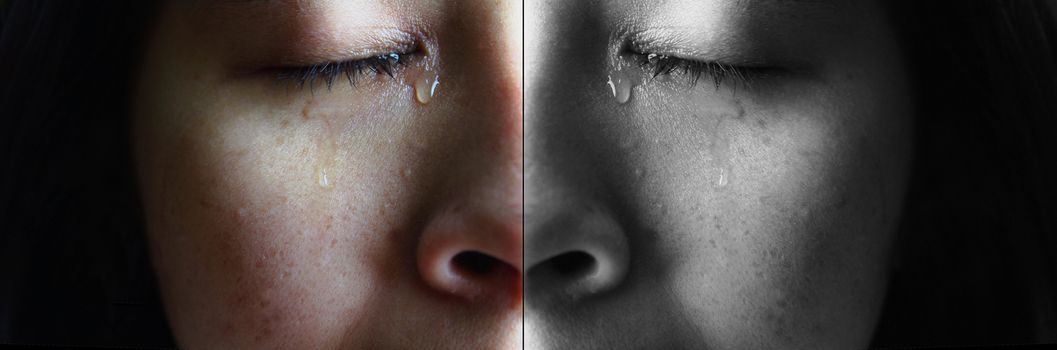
718, 72
665, 55
323, 51
389, 63
635, 44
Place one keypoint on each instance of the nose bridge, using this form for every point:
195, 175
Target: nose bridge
471, 246
564, 41
484, 48
575, 246
483, 60
563, 163
484, 133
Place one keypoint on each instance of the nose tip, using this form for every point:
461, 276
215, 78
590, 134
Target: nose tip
473, 257
576, 256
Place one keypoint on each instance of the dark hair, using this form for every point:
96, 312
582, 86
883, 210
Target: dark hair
74, 261
975, 256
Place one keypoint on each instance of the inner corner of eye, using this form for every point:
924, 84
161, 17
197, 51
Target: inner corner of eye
409, 43
632, 48
404, 52
417, 46
631, 53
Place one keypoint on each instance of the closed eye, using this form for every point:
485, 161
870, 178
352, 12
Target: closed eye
352, 71
694, 70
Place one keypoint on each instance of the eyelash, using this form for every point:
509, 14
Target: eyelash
692, 70
390, 64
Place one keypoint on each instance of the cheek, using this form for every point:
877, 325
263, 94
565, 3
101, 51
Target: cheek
778, 221
260, 229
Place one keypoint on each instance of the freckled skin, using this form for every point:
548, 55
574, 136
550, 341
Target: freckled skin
254, 249
757, 218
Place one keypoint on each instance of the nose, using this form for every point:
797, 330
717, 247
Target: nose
471, 246
575, 246
578, 255
575, 250
471, 255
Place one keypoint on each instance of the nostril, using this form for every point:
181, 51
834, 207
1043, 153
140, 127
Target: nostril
570, 266
470, 253
474, 274
575, 274
574, 251
475, 263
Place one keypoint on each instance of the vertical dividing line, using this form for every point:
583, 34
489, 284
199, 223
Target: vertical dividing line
524, 264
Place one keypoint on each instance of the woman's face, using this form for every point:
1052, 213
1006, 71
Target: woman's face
753, 215
290, 208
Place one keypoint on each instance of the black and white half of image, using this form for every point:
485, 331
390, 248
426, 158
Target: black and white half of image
528, 174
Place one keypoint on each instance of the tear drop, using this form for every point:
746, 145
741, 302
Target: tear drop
426, 87
719, 147
620, 85
324, 180
325, 158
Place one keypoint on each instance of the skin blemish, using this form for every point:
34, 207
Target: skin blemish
329, 222
739, 110
306, 111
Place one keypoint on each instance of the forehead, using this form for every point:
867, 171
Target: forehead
730, 5
297, 8
688, 12
709, 12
